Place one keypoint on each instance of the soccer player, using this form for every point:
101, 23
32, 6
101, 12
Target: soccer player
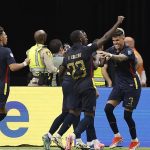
7, 63
78, 63
74, 116
127, 88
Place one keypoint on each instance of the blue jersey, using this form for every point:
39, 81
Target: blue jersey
6, 58
80, 65
125, 71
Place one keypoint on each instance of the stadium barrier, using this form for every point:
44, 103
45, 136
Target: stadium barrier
31, 111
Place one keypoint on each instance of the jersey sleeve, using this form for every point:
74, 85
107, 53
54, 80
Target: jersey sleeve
10, 57
129, 53
88, 50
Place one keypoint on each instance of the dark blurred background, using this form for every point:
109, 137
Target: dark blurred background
21, 18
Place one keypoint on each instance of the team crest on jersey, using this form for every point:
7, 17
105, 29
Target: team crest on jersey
11, 55
129, 52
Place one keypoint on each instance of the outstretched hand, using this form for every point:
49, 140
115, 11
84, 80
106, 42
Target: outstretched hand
104, 54
120, 19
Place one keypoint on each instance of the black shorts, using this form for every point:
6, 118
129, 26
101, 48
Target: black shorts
78, 99
86, 101
3, 99
68, 95
130, 96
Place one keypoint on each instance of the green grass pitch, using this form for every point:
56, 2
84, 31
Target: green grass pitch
56, 148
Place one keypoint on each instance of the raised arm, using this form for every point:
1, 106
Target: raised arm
109, 33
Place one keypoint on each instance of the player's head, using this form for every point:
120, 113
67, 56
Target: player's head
129, 42
118, 38
56, 46
78, 36
40, 36
3, 36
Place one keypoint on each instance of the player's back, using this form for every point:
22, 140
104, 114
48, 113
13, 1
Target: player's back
79, 64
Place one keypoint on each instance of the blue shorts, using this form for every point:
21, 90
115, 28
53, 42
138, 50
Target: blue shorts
130, 96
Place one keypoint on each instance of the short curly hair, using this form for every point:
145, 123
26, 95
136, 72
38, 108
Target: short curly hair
55, 45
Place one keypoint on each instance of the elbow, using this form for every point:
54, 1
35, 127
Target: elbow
12, 68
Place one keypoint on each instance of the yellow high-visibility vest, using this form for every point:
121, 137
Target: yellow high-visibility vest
98, 77
35, 59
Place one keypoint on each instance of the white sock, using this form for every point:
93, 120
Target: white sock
95, 141
78, 140
135, 140
74, 136
117, 135
89, 143
49, 135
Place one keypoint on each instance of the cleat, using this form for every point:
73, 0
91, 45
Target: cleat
97, 145
134, 145
58, 142
46, 142
81, 145
69, 141
116, 141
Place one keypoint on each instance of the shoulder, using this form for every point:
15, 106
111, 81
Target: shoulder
7, 51
128, 50
46, 51
92, 46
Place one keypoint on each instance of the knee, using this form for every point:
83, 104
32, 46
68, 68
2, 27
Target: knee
90, 114
74, 112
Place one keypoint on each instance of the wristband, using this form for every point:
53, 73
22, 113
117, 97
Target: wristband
25, 63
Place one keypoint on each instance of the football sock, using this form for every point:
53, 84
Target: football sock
57, 122
76, 122
131, 124
67, 123
90, 131
49, 135
111, 118
117, 135
83, 125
